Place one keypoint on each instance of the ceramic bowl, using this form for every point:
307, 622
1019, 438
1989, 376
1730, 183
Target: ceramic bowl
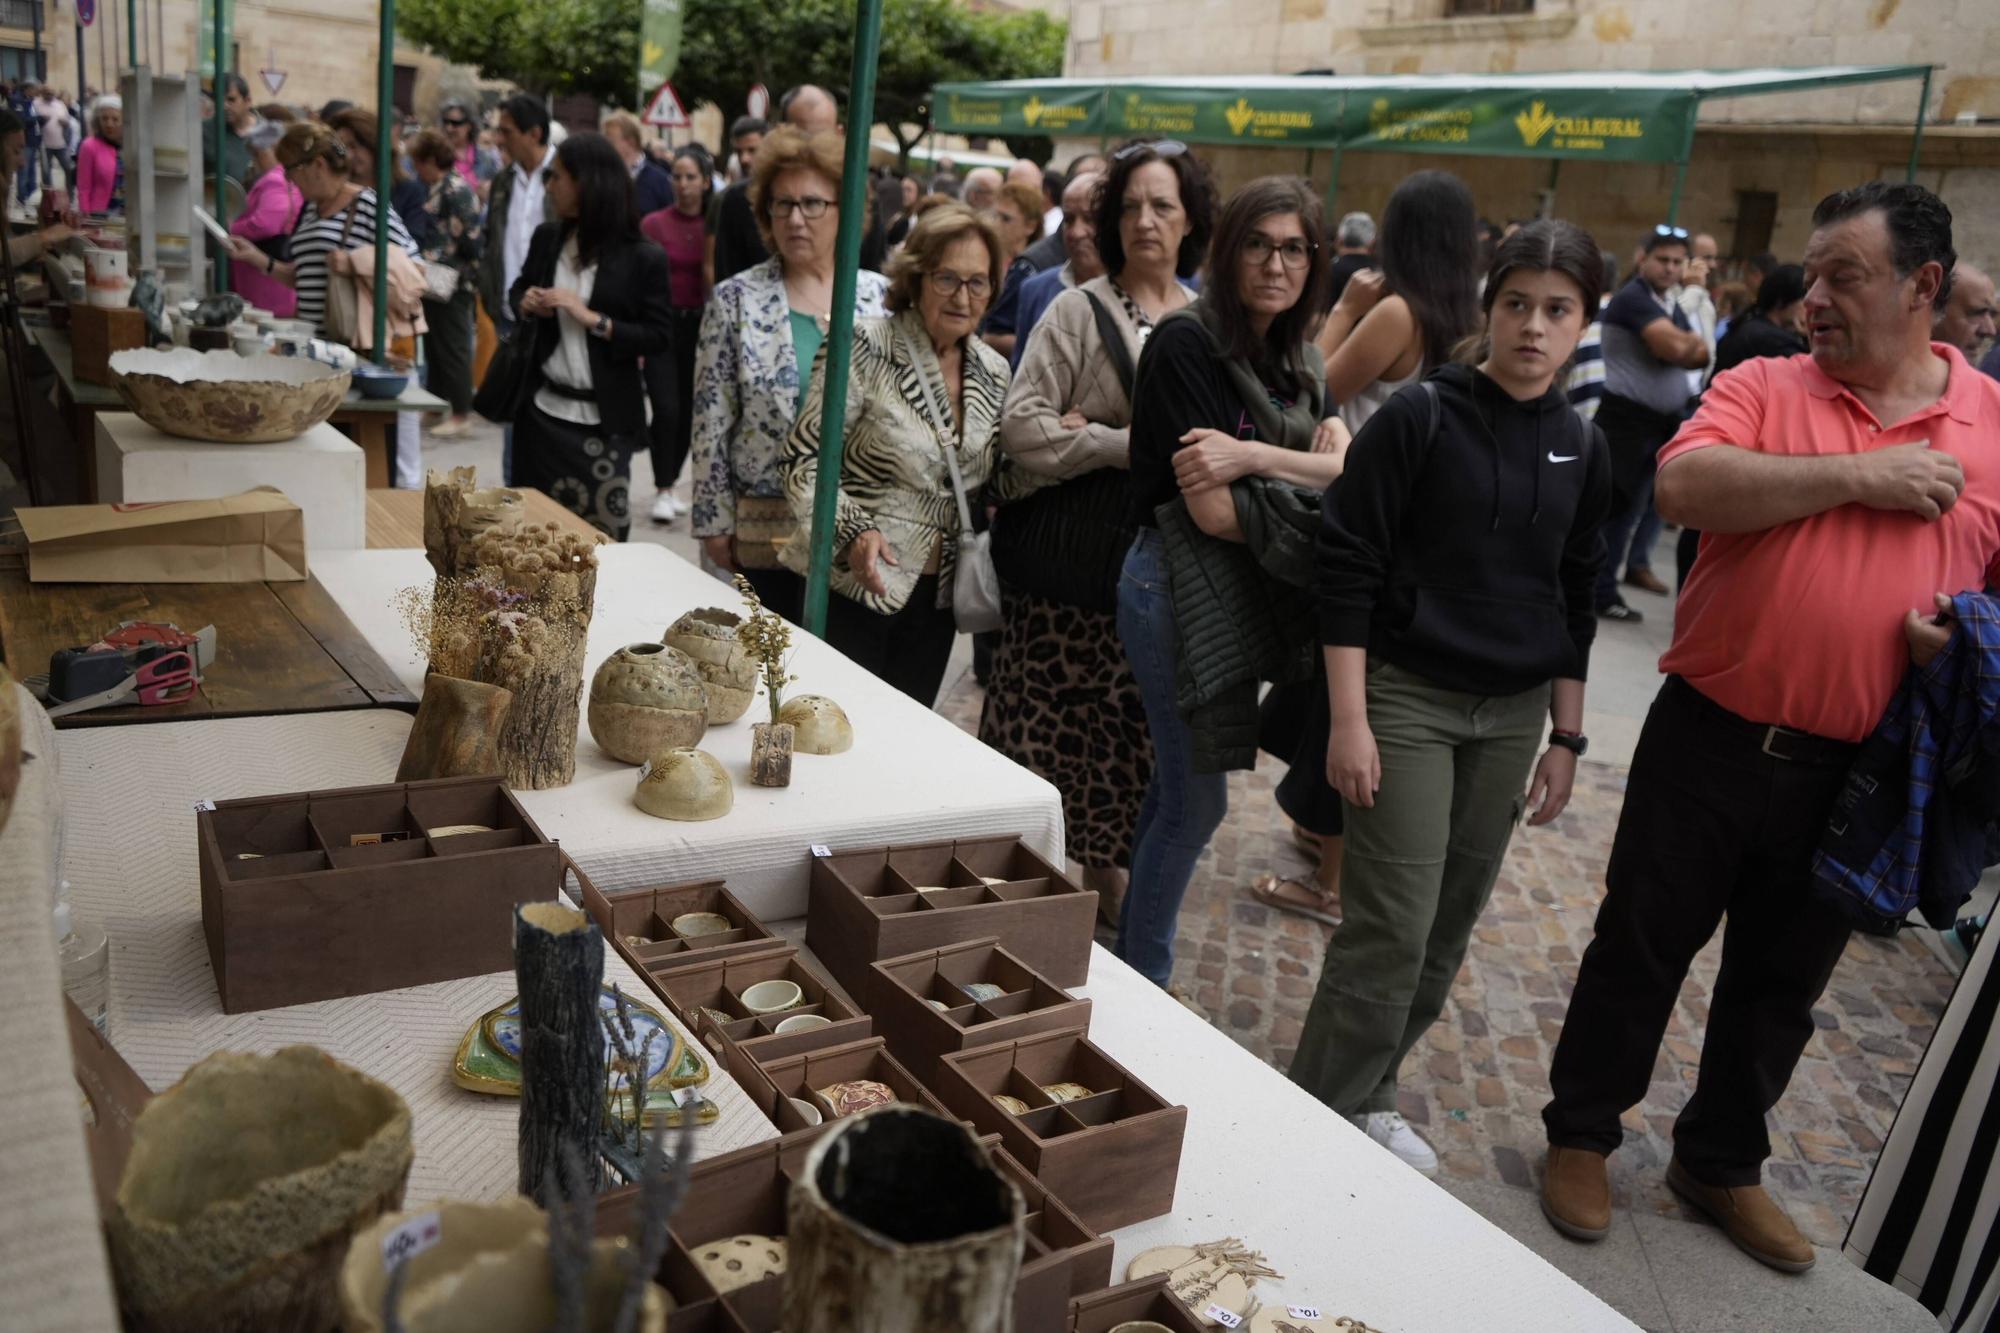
860, 1094
772, 997
983, 991
222, 397
1140, 1326
804, 1023
1011, 1105
380, 381
692, 925
818, 724
807, 1111
708, 636
688, 785
1067, 1092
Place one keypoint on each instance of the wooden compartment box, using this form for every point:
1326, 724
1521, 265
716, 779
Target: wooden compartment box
1113, 1157
638, 923
867, 905
1102, 1311
708, 998
771, 1080
748, 1191
907, 992
316, 895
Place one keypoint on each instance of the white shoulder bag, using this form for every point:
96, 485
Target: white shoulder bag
975, 583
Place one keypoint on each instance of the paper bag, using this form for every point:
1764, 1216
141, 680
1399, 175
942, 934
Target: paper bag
244, 538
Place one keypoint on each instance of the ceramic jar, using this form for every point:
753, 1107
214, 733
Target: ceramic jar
708, 637
645, 698
245, 1183
688, 785
818, 724
738, 1261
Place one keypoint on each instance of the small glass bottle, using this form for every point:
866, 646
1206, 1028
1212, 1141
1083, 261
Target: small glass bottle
85, 951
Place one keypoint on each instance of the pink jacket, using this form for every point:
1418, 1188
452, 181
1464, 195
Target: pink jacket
96, 175
270, 209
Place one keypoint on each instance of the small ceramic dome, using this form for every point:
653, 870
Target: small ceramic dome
818, 724
645, 698
708, 637
688, 785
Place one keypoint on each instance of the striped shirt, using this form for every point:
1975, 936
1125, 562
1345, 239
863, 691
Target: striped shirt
317, 238
1586, 372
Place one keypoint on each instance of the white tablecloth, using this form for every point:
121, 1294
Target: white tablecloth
132, 865
910, 777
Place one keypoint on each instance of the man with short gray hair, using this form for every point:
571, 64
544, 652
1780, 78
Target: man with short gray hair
1353, 250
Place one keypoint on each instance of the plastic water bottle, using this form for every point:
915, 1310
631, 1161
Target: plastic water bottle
85, 951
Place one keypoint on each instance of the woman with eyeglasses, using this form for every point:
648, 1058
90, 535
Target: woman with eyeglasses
596, 291
680, 229
1455, 565
759, 335
922, 418
1060, 697
316, 161
472, 162
1231, 446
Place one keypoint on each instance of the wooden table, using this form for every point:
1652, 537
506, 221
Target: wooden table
396, 518
370, 422
280, 647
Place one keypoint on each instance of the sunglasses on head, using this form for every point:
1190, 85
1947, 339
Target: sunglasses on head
1671, 232
1157, 147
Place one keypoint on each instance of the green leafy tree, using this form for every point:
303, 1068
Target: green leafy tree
727, 46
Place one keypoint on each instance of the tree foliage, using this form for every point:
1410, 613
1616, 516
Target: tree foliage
727, 46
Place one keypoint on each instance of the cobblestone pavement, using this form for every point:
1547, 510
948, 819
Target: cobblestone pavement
1476, 1084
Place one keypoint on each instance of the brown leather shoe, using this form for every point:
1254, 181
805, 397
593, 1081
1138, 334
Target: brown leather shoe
1576, 1193
1749, 1216
1645, 580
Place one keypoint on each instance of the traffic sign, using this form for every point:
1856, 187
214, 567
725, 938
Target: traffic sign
760, 101
86, 12
666, 111
274, 79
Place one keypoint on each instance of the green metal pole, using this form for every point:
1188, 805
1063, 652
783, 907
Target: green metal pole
385, 95
1917, 139
132, 32
221, 129
840, 333
1681, 171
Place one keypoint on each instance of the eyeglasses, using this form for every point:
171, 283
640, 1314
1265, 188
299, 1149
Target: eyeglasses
947, 285
455, 124
1673, 232
1157, 147
1293, 254
812, 207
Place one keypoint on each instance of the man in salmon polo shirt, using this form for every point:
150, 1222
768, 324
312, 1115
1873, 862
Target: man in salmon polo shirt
1838, 493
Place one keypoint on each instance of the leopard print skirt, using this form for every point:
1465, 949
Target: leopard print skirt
1061, 702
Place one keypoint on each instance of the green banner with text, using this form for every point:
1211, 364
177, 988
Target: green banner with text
659, 43
1636, 127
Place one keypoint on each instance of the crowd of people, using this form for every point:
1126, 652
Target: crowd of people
1359, 497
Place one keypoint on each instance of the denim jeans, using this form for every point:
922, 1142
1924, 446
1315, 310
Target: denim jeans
1622, 548
505, 329
1183, 808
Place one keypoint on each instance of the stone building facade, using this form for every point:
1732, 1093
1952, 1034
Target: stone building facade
1759, 164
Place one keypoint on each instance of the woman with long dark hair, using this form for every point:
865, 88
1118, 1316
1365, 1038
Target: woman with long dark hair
1230, 444
1395, 324
1456, 559
681, 230
598, 290
1770, 327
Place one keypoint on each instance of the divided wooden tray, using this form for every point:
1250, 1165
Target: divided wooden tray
708, 998
646, 915
907, 991
772, 1081
1113, 1156
1102, 1311
866, 905
316, 895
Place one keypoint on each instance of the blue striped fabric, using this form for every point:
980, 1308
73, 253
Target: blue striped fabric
1586, 372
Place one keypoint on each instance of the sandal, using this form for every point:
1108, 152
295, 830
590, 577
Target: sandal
1298, 898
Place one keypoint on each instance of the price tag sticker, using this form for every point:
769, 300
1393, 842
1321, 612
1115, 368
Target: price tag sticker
1226, 1318
1303, 1311
821, 849
204, 807
410, 1240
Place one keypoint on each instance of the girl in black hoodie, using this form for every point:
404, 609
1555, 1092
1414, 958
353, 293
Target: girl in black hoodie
1455, 563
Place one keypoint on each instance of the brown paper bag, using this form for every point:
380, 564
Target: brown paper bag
244, 538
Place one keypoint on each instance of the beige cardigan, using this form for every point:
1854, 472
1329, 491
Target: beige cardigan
1067, 367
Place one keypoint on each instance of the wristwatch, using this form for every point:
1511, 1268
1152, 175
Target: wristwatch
603, 326
1574, 741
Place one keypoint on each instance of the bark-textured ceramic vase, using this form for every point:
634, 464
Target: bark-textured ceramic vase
708, 636
245, 1183
645, 698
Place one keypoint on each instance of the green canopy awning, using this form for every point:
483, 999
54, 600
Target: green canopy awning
1608, 115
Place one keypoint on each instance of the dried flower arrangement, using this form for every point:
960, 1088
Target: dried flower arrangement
768, 639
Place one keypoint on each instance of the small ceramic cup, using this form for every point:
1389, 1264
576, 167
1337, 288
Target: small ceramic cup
772, 997
691, 924
807, 1111
1140, 1326
1011, 1105
803, 1023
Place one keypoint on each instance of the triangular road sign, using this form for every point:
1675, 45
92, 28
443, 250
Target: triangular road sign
666, 111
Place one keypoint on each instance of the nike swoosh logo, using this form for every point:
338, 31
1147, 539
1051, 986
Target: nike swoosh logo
1555, 457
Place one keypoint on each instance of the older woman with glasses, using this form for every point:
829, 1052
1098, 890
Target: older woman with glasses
759, 335
923, 418
472, 162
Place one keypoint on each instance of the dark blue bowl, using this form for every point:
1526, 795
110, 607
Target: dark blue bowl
380, 381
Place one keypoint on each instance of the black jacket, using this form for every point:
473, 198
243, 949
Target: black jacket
631, 287
1752, 336
1467, 554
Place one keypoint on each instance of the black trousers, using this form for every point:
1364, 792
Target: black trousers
448, 347
1712, 824
670, 386
909, 649
1294, 724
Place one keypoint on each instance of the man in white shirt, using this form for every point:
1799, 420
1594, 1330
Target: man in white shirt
518, 204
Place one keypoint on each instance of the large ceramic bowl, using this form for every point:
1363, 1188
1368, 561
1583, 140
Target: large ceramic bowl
223, 397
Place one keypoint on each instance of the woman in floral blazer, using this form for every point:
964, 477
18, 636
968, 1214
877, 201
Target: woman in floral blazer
749, 373
454, 242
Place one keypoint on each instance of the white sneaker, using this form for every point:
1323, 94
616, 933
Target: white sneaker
1394, 1133
665, 508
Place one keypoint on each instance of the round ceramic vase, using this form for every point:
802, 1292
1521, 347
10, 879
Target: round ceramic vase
708, 637
645, 698
818, 724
